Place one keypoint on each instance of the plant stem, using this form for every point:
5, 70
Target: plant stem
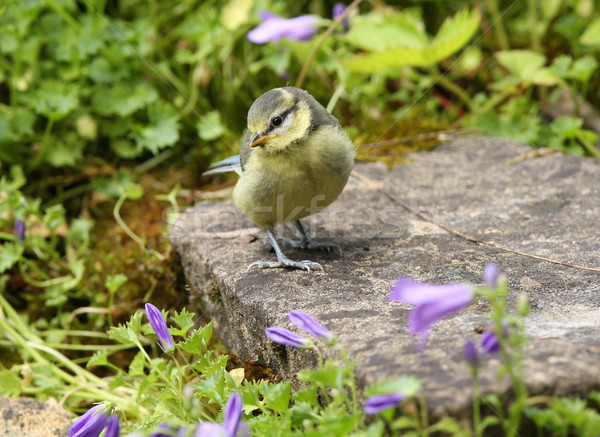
42, 152
128, 230
476, 402
492, 6
321, 40
452, 87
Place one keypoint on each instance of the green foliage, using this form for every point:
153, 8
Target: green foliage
417, 50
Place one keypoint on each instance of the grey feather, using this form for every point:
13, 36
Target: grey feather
226, 165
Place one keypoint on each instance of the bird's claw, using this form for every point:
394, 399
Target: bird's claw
311, 245
287, 263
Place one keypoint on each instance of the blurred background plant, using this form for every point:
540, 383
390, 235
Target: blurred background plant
111, 109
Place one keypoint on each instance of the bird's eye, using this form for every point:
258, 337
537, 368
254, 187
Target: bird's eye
277, 121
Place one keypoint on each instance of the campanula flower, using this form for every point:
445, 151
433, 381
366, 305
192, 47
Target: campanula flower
273, 28
338, 10
489, 342
20, 230
113, 429
157, 321
378, 403
471, 355
287, 337
432, 303
165, 430
311, 326
91, 424
232, 421
490, 275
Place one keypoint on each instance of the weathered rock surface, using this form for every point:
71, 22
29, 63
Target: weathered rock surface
24, 417
548, 206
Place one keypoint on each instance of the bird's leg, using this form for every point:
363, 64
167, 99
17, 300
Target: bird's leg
307, 243
282, 260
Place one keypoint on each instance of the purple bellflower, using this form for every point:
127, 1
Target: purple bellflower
491, 274
165, 430
112, 428
157, 321
273, 28
378, 403
338, 10
490, 343
233, 415
287, 338
91, 424
311, 326
20, 230
471, 354
232, 421
432, 303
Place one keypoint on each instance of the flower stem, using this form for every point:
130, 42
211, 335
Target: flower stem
321, 40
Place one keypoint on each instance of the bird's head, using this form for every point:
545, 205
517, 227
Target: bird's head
279, 118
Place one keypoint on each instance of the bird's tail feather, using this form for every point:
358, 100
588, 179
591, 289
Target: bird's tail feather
226, 165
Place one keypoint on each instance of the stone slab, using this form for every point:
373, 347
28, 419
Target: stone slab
25, 417
546, 205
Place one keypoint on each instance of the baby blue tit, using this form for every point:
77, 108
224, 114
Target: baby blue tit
295, 160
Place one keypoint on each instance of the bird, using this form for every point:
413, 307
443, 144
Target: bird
295, 159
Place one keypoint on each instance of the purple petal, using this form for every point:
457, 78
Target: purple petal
433, 302
20, 230
338, 10
415, 293
286, 337
310, 325
378, 403
490, 275
209, 429
471, 355
489, 342
91, 424
165, 430
233, 415
157, 321
451, 300
113, 429
300, 28
267, 15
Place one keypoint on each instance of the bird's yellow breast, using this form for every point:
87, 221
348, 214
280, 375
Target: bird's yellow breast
296, 182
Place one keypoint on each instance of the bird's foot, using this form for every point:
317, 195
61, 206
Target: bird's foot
311, 245
287, 263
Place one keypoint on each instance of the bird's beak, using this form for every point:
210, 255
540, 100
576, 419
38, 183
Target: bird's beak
257, 140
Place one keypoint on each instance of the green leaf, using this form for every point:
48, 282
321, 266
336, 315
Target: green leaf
453, 35
447, 425
185, 321
521, 63
591, 35
117, 381
100, 358
114, 282
136, 368
277, 396
123, 100
196, 343
162, 132
133, 191
55, 99
583, 68
407, 385
9, 255
377, 32
331, 377
210, 127
64, 152
10, 384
